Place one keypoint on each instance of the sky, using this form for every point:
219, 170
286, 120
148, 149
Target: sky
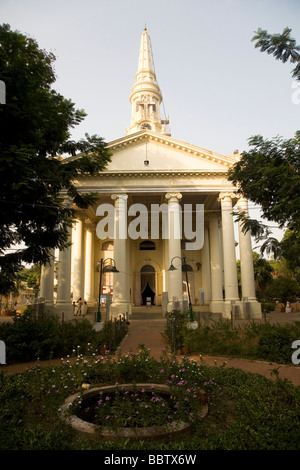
218, 89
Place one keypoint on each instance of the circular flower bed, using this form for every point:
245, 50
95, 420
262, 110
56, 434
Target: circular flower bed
135, 410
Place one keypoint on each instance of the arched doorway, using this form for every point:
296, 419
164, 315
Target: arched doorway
148, 285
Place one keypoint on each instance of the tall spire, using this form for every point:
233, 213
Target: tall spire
145, 96
145, 57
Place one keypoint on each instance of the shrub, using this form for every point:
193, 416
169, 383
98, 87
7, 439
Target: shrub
29, 338
251, 340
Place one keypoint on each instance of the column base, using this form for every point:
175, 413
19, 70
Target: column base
174, 305
255, 309
241, 311
65, 311
228, 308
216, 306
120, 308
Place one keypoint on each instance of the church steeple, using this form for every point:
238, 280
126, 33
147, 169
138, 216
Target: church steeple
145, 96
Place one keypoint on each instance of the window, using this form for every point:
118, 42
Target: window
147, 245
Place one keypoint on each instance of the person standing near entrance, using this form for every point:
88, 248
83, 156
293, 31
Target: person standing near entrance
79, 305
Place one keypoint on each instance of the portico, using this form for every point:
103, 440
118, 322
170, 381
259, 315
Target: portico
159, 198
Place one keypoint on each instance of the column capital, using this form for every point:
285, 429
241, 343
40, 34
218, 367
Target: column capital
118, 196
90, 227
173, 196
227, 196
80, 217
242, 203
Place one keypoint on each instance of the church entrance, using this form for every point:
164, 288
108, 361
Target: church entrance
148, 285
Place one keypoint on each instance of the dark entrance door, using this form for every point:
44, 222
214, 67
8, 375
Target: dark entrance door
148, 294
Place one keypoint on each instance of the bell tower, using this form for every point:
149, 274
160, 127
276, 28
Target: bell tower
146, 96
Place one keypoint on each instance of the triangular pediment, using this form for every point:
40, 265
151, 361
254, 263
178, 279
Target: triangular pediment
148, 151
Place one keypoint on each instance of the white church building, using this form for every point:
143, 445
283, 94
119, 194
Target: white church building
161, 202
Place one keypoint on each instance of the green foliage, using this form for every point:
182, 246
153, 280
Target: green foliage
284, 289
282, 46
251, 340
35, 123
268, 174
44, 337
275, 342
176, 323
246, 411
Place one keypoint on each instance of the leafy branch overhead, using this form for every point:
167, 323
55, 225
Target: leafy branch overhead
39, 162
281, 46
268, 174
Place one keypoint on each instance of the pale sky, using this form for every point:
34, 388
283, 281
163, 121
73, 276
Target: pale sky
218, 90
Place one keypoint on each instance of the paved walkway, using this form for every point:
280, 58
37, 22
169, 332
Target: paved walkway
146, 328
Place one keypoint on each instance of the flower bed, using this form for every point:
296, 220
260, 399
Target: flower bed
135, 410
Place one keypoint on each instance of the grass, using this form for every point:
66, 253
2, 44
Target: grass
246, 411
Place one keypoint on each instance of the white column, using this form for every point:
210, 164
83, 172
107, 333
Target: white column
206, 275
78, 260
121, 296
89, 276
230, 268
47, 280
166, 264
216, 266
174, 277
63, 303
246, 259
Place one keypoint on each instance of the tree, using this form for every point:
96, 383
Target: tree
31, 276
284, 289
282, 46
38, 196
268, 174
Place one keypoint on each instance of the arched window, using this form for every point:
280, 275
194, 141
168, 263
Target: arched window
147, 269
147, 245
108, 246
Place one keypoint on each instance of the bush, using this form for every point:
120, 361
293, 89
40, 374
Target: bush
176, 323
251, 340
29, 338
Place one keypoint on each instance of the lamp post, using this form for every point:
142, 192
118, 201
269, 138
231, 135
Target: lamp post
172, 268
107, 269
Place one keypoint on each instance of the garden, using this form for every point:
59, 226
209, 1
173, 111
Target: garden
245, 411
218, 408
250, 340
